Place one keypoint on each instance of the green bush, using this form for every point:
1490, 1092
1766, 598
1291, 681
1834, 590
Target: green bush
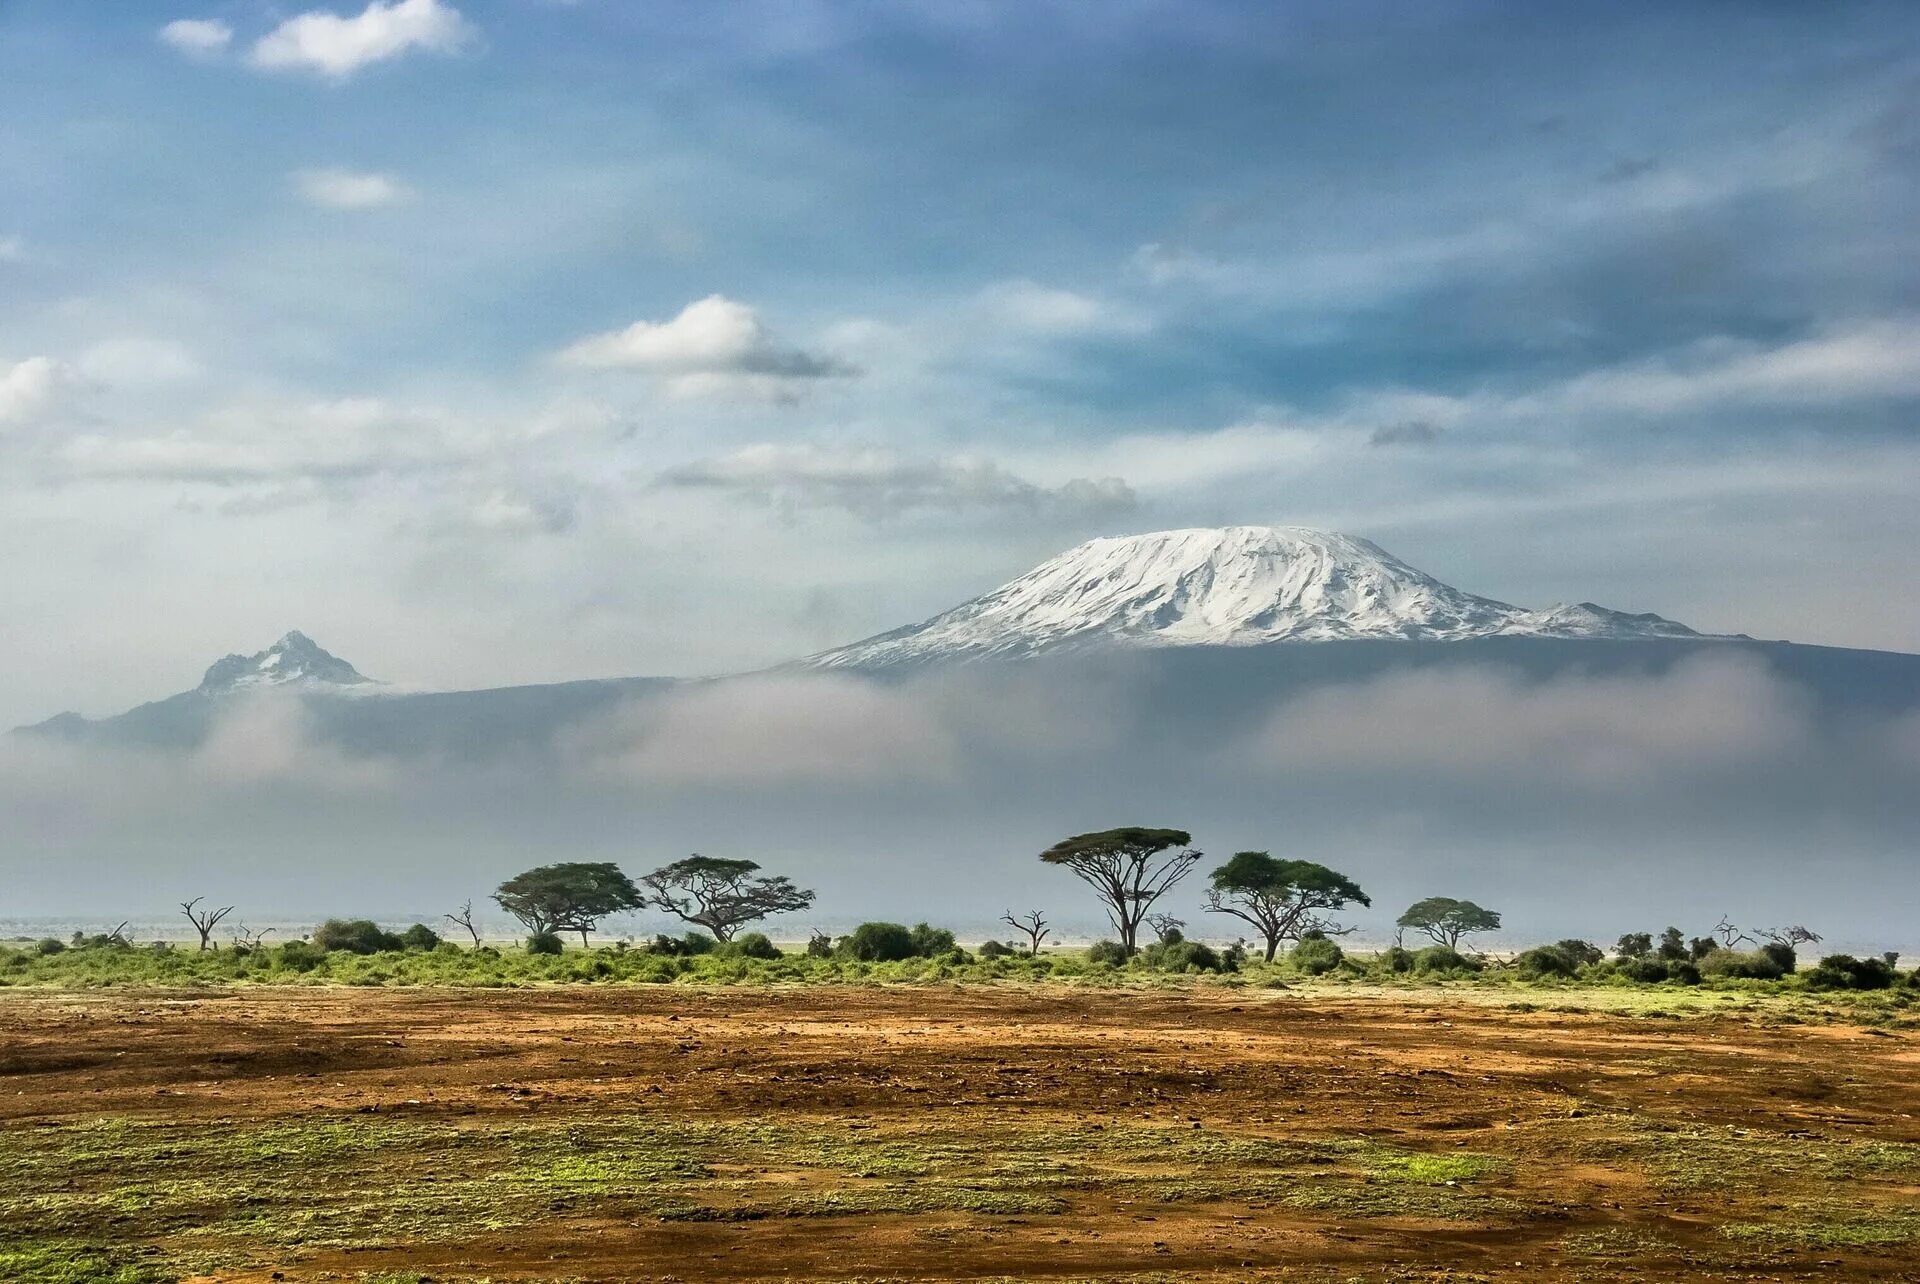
1783, 954
751, 945
1845, 972
545, 943
878, 943
1748, 964
1315, 956
1580, 953
299, 956
1442, 959
819, 946
995, 950
685, 946
1545, 961
931, 942
419, 937
1111, 953
1180, 955
51, 945
354, 936
1397, 959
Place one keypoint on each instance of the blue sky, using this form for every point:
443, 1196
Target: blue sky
528, 340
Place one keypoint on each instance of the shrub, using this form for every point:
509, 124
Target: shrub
819, 946
1749, 964
1440, 958
1180, 955
1783, 954
1580, 953
685, 946
1397, 959
354, 936
1315, 955
931, 942
1111, 953
1543, 961
1633, 945
299, 956
1685, 972
1845, 972
878, 943
1645, 970
995, 950
545, 943
750, 945
419, 937
51, 945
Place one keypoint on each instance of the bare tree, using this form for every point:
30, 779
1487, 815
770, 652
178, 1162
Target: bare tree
245, 938
463, 917
1033, 923
204, 920
1728, 934
1791, 937
1166, 927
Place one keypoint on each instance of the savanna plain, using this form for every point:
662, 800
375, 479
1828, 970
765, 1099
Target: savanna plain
1088, 1129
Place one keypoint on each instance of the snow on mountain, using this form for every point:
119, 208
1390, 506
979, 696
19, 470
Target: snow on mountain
1235, 586
295, 660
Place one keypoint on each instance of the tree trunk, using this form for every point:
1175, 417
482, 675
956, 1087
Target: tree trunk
583, 938
1273, 945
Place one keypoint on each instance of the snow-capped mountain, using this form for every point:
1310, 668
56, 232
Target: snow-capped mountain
295, 660
1234, 586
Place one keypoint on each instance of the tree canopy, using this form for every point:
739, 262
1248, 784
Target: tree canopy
569, 897
1447, 920
721, 895
1129, 868
1281, 899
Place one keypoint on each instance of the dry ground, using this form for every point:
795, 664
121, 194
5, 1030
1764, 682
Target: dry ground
822, 1133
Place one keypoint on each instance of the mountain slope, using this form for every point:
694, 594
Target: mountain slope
1235, 586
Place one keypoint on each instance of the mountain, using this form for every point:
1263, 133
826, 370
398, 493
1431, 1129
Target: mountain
295, 660
1236, 586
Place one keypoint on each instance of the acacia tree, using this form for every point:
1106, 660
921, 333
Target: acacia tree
569, 897
1034, 924
1282, 899
721, 895
1129, 869
203, 920
1447, 920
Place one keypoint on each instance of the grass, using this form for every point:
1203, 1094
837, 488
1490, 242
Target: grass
1788, 1000
218, 1195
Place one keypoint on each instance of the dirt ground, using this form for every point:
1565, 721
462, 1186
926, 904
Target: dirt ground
822, 1133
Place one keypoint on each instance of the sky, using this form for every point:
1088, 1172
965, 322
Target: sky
501, 341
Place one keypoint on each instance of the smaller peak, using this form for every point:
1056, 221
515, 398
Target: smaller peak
295, 659
294, 639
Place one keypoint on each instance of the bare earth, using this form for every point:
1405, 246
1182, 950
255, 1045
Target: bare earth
823, 1133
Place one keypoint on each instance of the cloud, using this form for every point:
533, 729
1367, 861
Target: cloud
798, 730
137, 361
346, 189
1025, 305
875, 482
1414, 432
336, 47
1707, 715
197, 37
29, 388
714, 346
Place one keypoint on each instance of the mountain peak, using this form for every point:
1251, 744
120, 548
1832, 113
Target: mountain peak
1230, 586
295, 659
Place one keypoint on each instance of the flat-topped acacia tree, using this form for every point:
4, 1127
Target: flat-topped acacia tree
569, 897
1129, 868
1281, 899
721, 895
1447, 921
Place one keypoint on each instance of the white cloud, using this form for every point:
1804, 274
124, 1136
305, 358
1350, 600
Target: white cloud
877, 482
197, 37
337, 47
28, 388
346, 189
714, 345
137, 360
1029, 306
